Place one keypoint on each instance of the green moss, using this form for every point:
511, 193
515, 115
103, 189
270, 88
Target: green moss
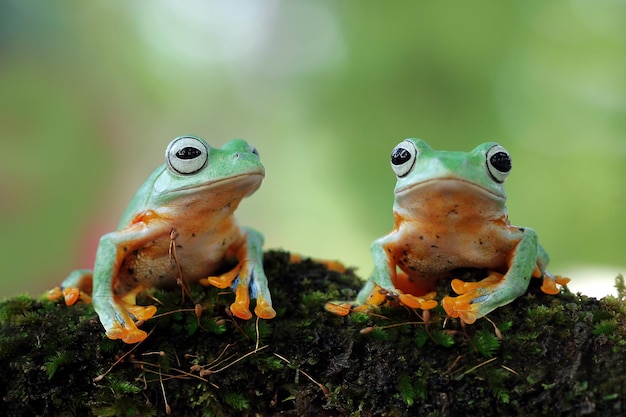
442, 338
236, 401
57, 360
486, 343
605, 327
558, 355
620, 285
406, 389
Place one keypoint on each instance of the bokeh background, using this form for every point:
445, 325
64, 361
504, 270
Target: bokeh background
92, 92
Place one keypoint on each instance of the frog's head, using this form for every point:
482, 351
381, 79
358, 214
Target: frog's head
191, 165
483, 169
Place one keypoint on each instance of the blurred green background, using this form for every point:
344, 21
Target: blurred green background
92, 92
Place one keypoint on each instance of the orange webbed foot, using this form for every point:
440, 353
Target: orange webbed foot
222, 281
340, 309
133, 335
264, 309
142, 313
468, 305
70, 295
461, 307
425, 302
241, 307
248, 281
550, 282
77, 286
380, 297
462, 287
120, 316
54, 294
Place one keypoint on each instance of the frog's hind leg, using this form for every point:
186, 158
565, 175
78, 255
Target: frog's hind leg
78, 285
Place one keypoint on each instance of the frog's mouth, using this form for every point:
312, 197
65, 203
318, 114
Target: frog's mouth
452, 184
249, 180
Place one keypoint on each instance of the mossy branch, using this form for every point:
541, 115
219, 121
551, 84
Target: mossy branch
557, 355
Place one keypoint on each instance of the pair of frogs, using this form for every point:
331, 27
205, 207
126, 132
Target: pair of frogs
449, 212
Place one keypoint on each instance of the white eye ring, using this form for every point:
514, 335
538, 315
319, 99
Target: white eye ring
253, 150
403, 158
186, 155
498, 163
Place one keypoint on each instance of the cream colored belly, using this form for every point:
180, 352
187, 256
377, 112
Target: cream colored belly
163, 263
434, 253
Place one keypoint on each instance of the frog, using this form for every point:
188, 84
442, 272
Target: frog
450, 217
179, 228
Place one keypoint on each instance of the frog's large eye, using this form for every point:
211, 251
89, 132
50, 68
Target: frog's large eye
403, 158
498, 163
186, 155
253, 150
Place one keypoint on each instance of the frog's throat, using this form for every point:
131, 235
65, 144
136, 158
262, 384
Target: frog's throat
225, 181
444, 182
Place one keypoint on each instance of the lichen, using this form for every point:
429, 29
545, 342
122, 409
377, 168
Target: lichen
541, 354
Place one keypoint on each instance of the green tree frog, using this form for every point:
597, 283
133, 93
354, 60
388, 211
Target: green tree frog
450, 215
179, 227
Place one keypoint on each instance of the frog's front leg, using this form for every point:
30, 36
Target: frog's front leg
550, 281
479, 298
386, 281
380, 288
118, 313
247, 279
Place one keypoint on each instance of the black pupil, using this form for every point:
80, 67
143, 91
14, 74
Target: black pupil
400, 156
501, 161
188, 153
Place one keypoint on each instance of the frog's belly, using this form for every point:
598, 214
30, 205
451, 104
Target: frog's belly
156, 265
431, 256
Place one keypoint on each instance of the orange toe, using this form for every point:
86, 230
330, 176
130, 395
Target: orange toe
241, 306
218, 282
241, 311
462, 287
142, 312
224, 280
460, 307
429, 305
71, 295
425, 302
549, 285
561, 280
134, 336
377, 298
127, 335
410, 301
54, 294
341, 309
264, 310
